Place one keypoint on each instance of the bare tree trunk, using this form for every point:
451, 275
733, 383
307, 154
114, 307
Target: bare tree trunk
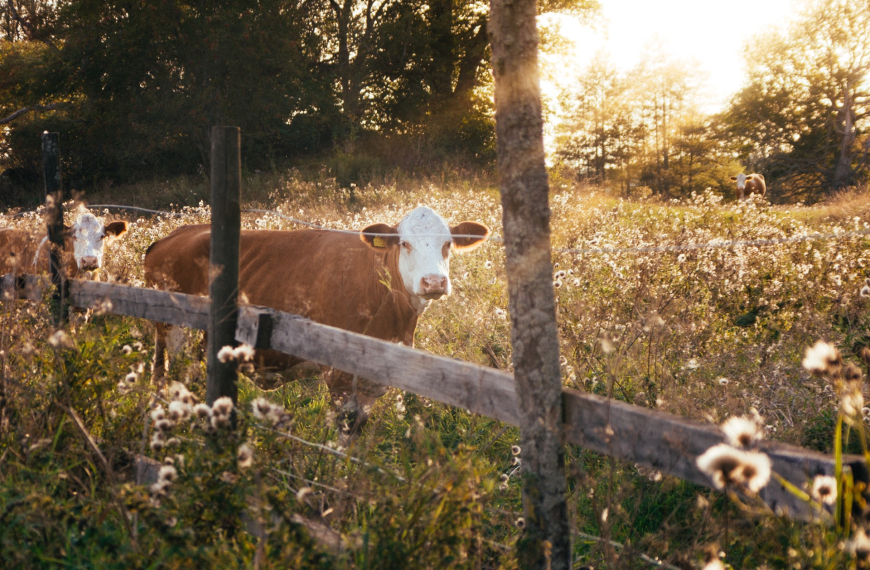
546, 542
844, 165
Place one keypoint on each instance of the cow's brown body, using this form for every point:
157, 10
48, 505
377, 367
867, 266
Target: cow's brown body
331, 278
753, 184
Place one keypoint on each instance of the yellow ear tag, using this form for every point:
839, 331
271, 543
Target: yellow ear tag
378, 241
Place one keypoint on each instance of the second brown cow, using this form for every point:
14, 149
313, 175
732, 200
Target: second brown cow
748, 184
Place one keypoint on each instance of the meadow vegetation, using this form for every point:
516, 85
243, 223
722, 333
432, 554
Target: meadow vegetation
702, 333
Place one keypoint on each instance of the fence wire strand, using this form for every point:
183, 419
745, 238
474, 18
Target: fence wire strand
716, 243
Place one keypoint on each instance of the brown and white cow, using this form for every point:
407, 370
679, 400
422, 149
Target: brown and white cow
376, 282
748, 184
22, 251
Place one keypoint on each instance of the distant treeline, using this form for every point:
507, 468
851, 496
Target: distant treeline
801, 116
135, 87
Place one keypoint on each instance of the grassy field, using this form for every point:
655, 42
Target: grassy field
701, 333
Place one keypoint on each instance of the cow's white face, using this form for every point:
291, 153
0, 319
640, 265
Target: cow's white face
741, 180
424, 240
88, 236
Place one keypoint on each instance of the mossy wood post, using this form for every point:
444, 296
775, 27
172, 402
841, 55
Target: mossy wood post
524, 194
226, 221
54, 221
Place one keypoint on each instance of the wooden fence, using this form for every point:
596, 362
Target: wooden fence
646, 437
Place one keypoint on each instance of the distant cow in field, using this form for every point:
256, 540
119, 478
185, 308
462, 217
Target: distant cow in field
749, 184
27, 252
376, 282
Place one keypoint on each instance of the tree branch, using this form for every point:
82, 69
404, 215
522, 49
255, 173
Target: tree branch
19, 112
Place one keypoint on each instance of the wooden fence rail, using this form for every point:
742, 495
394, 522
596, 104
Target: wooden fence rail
648, 438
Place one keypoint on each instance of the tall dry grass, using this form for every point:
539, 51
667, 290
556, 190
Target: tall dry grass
702, 333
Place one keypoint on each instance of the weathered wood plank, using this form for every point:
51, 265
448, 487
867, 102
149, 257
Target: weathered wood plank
649, 438
482, 390
21, 287
163, 306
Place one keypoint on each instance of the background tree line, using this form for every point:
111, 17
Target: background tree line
134, 88
801, 116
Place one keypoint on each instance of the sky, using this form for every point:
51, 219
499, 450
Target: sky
712, 31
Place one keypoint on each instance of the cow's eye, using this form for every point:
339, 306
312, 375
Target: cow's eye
406, 245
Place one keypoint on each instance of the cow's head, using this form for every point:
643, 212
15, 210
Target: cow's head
741, 180
88, 235
424, 240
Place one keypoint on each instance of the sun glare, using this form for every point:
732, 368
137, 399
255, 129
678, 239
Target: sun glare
713, 34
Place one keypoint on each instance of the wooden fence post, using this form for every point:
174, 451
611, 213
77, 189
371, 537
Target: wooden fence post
226, 221
546, 540
54, 221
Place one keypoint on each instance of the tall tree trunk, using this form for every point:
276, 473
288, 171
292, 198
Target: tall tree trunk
546, 542
843, 172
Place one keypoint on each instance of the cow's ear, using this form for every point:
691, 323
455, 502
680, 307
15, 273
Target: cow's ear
116, 228
760, 176
733, 178
468, 235
379, 235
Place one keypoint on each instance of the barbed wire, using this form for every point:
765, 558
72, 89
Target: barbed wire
716, 243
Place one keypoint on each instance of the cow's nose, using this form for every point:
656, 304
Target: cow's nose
90, 262
433, 284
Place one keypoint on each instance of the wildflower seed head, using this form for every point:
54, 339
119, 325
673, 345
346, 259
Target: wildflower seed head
223, 406
741, 432
164, 425
131, 378
158, 440
851, 403
714, 564
225, 354
58, 339
243, 353
245, 456
520, 523
202, 411
756, 470
859, 546
158, 413
865, 291
178, 410
822, 358
824, 489
219, 421
127, 349
261, 408
516, 450
723, 464
722, 381
167, 473
852, 374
